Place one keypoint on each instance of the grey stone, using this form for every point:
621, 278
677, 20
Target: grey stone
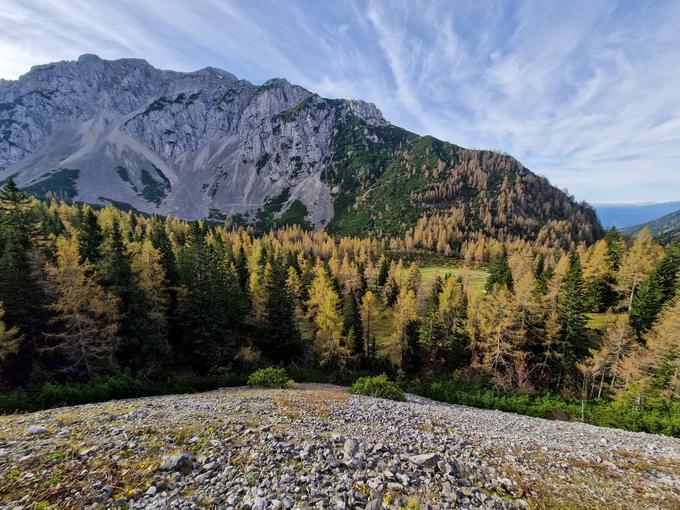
179, 462
425, 460
35, 430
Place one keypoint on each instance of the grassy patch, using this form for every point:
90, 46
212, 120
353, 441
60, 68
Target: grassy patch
475, 278
60, 184
154, 191
296, 214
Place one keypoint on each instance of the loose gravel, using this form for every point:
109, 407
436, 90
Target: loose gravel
315, 446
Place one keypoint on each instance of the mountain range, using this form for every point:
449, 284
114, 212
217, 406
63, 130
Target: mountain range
629, 215
206, 144
666, 227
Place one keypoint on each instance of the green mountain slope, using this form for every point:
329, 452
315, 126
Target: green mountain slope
666, 227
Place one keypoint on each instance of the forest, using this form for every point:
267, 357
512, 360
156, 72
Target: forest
102, 303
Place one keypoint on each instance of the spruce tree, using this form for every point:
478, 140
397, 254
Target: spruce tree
500, 273
384, 272
114, 273
572, 336
281, 339
655, 291
211, 303
351, 324
20, 290
614, 248
90, 237
432, 332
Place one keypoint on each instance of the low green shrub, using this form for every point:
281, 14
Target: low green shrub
377, 386
270, 378
111, 387
664, 419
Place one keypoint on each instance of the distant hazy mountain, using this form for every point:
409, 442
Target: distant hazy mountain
628, 215
206, 144
667, 227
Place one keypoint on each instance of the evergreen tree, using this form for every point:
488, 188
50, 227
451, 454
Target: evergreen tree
211, 303
20, 266
500, 273
432, 332
384, 272
614, 248
655, 291
90, 236
405, 330
391, 291
281, 338
241, 265
114, 273
161, 241
572, 335
351, 324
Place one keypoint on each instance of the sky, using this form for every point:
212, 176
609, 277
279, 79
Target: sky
586, 93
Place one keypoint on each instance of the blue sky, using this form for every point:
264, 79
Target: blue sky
586, 93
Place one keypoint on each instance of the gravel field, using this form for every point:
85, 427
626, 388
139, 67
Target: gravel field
315, 446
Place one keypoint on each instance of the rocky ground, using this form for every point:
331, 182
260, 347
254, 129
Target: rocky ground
318, 447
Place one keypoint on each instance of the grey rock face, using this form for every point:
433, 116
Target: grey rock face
190, 144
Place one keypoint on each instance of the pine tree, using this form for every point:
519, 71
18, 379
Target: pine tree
572, 336
19, 290
281, 338
614, 248
210, 303
351, 325
500, 273
89, 236
241, 265
655, 291
384, 272
85, 314
114, 273
16, 209
161, 241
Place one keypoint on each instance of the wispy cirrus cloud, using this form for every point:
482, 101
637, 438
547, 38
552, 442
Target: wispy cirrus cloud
585, 93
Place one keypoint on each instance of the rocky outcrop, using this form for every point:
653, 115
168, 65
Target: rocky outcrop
206, 144
191, 144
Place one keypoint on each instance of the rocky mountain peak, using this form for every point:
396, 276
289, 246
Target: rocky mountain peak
207, 144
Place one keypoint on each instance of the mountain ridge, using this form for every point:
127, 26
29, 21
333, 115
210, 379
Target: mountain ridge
667, 227
206, 144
